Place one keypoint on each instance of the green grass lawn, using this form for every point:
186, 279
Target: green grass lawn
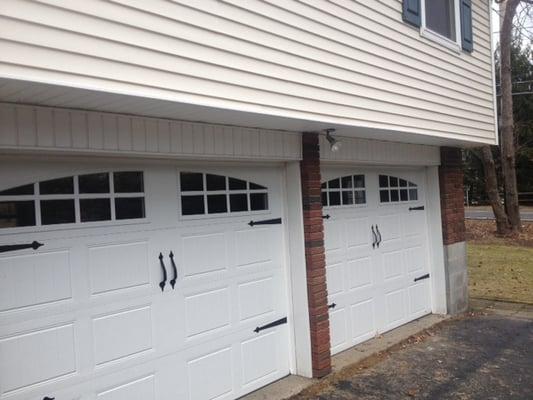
501, 272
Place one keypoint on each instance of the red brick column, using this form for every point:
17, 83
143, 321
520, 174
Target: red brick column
452, 195
315, 255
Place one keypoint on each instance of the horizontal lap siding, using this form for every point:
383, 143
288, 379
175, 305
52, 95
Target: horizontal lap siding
351, 62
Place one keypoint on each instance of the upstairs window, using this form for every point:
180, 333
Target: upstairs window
203, 194
440, 17
395, 190
447, 22
347, 191
102, 196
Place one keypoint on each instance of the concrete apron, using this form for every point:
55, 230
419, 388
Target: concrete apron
292, 384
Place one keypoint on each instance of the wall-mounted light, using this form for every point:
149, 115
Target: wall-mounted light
334, 144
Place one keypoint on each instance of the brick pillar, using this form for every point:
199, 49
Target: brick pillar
315, 255
453, 229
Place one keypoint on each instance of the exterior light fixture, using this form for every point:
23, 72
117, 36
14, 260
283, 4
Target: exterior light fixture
334, 144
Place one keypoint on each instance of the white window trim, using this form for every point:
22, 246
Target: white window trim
438, 38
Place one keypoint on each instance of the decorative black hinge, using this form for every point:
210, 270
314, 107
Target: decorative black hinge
416, 208
280, 321
327, 216
13, 247
332, 305
266, 222
422, 277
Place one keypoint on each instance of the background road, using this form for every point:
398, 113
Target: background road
486, 213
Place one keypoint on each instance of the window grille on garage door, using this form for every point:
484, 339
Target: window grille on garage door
203, 194
344, 191
395, 190
97, 197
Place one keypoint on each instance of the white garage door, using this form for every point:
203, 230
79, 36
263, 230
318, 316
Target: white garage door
150, 283
376, 251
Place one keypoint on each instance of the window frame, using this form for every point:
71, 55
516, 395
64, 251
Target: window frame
76, 196
455, 45
340, 189
410, 185
227, 192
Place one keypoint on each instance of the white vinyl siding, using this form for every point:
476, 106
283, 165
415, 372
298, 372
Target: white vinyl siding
349, 62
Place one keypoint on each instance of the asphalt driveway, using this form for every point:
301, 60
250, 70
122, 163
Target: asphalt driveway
481, 356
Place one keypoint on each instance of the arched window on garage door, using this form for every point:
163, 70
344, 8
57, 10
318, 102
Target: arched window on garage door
345, 191
97, 197
394, 190
205, 194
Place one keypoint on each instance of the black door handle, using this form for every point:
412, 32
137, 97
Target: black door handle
374, 238
379, 234
174, 269
164, 281
13, 247
48, 398
332, 305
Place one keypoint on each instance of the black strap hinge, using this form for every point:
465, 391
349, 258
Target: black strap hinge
332, 305
280, 321
266, 222
13, 247
422, 277
327, 216
416, 208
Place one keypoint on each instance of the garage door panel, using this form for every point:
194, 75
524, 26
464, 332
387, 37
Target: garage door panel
390, 229
335, 278
395, 302
363, 320
117, 266
256, 298
360, 273
415, 259
123, 334
338, 320
414, 223
207, 311
258, 364
203, 253
23, 355
137, 389
253, 246
41, 278
419, 294
392, 262
216, 366
333, 234
357, 233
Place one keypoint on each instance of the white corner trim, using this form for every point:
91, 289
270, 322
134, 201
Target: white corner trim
301, 332
436, 245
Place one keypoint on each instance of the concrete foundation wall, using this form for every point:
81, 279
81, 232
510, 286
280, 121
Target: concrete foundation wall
455, 261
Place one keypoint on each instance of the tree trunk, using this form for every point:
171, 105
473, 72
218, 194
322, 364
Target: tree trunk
507, 123
491, 186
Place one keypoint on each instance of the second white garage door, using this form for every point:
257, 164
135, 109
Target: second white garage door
152, 282
376, 251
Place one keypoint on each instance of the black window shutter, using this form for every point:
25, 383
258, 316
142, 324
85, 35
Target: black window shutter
467, 36
411, 12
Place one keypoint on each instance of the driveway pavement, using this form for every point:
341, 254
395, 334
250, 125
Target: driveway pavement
487, 355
